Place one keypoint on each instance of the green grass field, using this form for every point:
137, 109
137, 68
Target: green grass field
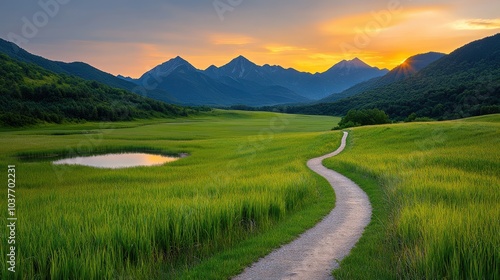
435, 189
243, 190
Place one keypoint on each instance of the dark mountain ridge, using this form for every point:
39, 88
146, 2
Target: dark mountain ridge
462, 84
31, 94
191, 86
238, 82
312, 86
409, 67
82, 70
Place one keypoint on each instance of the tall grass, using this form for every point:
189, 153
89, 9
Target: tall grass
441, 186
245, 174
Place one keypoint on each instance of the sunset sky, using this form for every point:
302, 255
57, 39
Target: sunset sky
130, 37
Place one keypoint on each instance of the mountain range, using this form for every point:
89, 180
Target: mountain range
190, 86
31, 94
238, 82
79, 69
464, 83
312, 86
243, 82
408, 68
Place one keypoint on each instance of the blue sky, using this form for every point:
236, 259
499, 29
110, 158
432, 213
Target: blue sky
130, 37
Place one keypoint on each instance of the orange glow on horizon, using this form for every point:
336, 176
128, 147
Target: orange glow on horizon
301, 59
384, 48
309, 36
230, 39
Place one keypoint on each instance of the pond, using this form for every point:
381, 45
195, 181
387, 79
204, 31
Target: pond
115, 161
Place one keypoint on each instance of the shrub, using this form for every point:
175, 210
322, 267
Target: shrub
363, 117
16, 120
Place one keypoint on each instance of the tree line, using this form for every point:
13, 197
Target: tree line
31, 94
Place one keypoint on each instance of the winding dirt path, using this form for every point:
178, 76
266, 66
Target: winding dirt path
315, 253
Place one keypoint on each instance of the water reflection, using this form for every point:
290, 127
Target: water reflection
119, 160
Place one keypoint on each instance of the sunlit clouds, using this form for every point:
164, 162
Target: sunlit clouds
477, 24
281, 49
230, 39
310, 36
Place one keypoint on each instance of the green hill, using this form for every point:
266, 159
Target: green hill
82, 70
31, 94
463, 84
411, 66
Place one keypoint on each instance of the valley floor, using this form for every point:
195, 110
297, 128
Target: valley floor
245, 189
318, 251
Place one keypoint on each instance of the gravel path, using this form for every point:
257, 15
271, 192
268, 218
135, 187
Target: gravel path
315, 253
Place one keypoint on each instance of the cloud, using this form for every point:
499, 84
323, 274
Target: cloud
281, 48
378, 20
477, 24
230, 39
306, 35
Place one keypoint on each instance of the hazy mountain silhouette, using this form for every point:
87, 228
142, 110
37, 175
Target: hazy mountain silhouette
79, 69
409, 67
238, 82
462, 84
312, 86
191, 86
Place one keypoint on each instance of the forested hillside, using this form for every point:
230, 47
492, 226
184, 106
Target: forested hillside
30, 94
462, 84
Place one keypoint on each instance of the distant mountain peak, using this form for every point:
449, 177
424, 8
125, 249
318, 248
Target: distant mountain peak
239, 67
357, 61
178, 59
430, 56
128, 78
409, 67
354, 63
414, 64
211, 67
241, 60
176, 64
241, 57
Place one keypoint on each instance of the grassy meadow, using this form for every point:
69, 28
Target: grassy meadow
243, 189
435, 189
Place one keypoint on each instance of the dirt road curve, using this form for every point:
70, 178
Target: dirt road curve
316, 252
